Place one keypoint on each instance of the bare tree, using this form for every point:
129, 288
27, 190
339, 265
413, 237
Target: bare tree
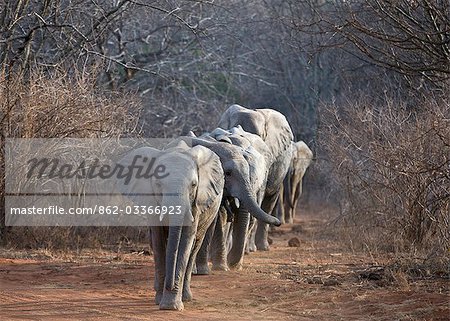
410, 37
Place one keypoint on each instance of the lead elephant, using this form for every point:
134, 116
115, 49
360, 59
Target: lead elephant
292, 185
275, 131
194, 182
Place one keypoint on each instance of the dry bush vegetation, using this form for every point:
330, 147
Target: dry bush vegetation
58, 106
391, 169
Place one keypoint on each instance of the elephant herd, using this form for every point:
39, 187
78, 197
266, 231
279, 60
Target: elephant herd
232, 182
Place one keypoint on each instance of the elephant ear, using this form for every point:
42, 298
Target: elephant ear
177, 144
238, 130
278, 133
218, 132
249, 120
221, 135
205, 137
210, 177
224, 138
257, 142
228, 118
257, 163
137, 190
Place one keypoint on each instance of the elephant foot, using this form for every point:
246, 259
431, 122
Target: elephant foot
171, 301
158, 297
202, 269
174, 305
220, 267
290, 220
262, 246
187, 295
252, 247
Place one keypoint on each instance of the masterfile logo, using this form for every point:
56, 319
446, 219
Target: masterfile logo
56, 168
84, 182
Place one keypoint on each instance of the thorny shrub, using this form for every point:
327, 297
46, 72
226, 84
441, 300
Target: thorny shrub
61, 106
391, 169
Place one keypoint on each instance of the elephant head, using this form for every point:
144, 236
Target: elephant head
257, 153
236, 168
165, 184
301, 159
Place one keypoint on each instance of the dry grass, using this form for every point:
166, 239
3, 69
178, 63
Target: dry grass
62, 106
391, 169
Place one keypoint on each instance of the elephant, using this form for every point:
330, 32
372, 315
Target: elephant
292, 184
195, 182
275, 131
260, 159
237, 165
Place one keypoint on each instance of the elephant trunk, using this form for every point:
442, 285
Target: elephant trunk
171, 255
240, 228
176, 223
250, 204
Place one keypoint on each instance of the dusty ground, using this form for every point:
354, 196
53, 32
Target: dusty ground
319, 280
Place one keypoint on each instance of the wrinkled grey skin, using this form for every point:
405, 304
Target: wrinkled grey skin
259, 159
237, 164
198, 188
275, 131
214, 246
292, 184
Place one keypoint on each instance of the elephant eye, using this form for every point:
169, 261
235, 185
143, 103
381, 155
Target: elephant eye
228, 173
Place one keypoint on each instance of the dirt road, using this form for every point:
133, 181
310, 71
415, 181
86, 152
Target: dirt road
319, 280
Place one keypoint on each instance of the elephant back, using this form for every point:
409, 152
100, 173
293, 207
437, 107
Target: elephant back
269, 124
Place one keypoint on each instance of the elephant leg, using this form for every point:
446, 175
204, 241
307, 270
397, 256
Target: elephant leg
298, 193
279, 210
187, 293
251, 246
201, 260
287, 207
289, 198
262, 228
218, 246
261, 235
172, 293
200, 238
158, 243
240, 227
279, 207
